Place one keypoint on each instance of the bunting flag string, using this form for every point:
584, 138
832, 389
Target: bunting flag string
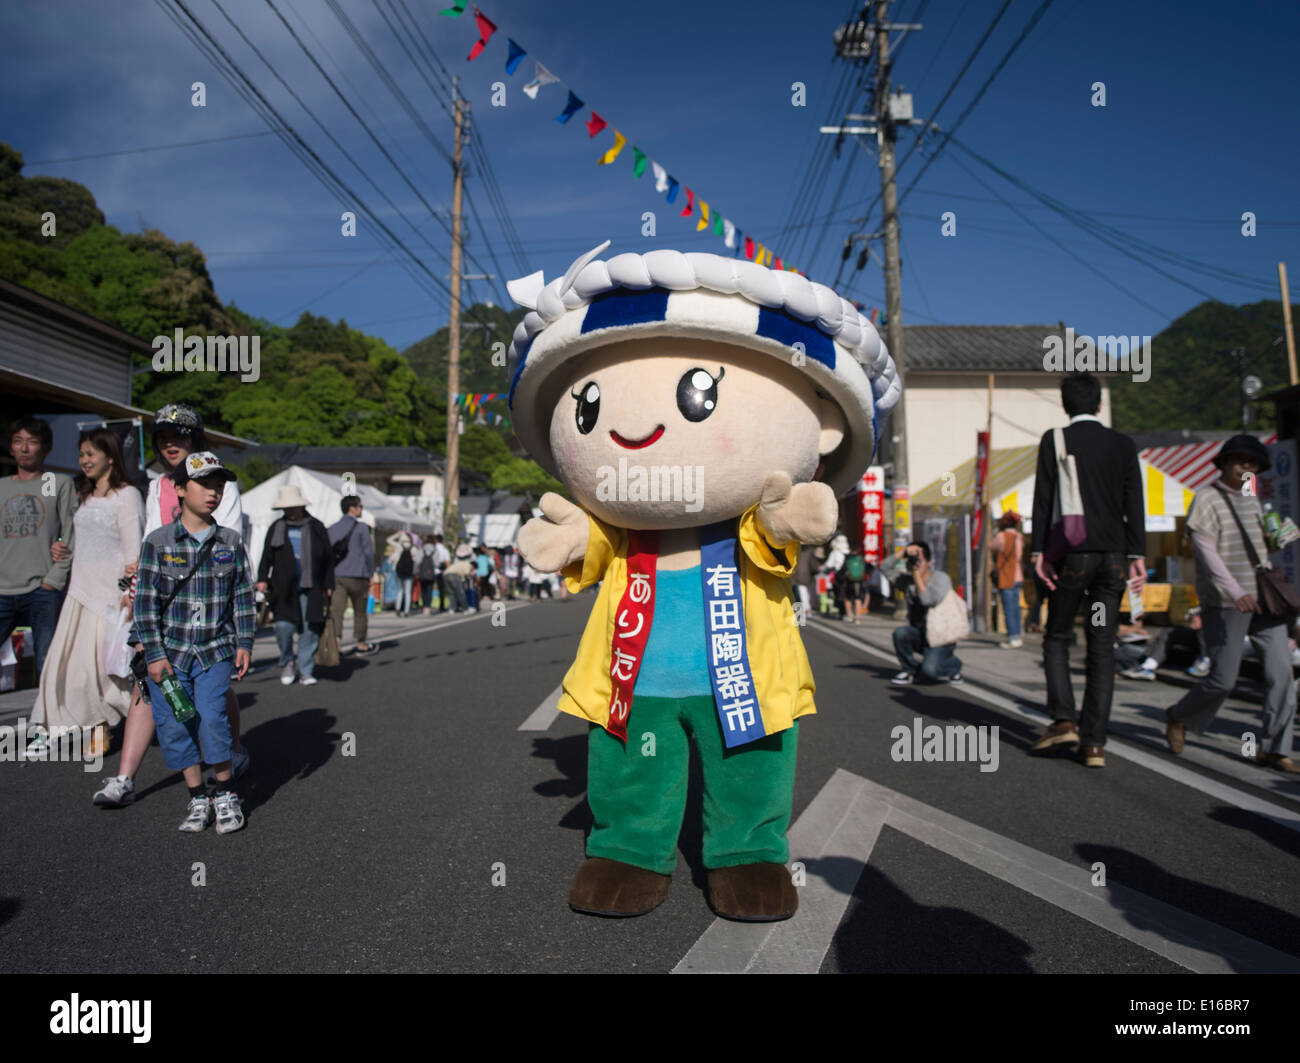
485, 30
664, 183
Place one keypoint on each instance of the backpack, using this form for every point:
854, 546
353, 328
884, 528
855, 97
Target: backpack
404, 567
855, 567
427, 570
340, 549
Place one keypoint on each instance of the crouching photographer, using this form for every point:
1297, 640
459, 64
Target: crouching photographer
930, 630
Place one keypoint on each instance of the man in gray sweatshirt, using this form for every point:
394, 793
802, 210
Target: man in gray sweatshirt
36, 509
923, 586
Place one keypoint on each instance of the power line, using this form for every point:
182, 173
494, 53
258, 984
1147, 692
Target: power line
159, 147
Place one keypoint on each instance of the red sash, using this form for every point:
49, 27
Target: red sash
632, 627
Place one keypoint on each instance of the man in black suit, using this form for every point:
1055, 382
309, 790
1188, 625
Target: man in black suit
1110, 555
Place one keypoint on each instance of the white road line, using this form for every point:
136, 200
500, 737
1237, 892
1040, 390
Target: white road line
1286, 817
833, 839
541, 718
841, 827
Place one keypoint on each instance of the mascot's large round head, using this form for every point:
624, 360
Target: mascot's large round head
663, 388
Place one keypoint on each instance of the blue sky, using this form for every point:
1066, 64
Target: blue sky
1198, 127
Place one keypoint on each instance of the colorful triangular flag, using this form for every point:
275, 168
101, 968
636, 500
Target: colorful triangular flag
486, 27
456, 10
595, 124
777, 264
619, 141
515, 58
570, 109
717, 224
749, 247
639, 161
541, 76
672, 189
689, 209
729, 232
704, 217
661, 178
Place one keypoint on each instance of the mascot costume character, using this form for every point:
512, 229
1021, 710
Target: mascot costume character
705, 413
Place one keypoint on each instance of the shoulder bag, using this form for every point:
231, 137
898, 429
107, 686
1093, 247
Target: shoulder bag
1068, 528
947, 622
1275, 595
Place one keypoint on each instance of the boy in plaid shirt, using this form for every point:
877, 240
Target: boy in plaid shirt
205, 634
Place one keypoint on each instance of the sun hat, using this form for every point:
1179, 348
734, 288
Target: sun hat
1246, 446
289, 497
710, 297
463, 551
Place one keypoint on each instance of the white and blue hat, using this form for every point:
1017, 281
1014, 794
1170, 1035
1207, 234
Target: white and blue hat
708, 297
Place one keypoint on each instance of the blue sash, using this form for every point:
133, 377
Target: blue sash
724, 623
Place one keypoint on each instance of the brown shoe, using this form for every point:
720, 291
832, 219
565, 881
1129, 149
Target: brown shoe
1060, 735
753, 893
1092, 757
1175, 733
1278, 762
610, 887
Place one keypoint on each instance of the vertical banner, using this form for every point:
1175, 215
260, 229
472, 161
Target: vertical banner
981, 487
902, 516
1278, 487
871, 511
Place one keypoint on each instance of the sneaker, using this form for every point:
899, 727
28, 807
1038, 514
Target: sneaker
371, 647
239, 762
1200, 669
309, 680
903, 679
38, 745
1011, 644
230, 817
956, 680
200, 814
1139, 673
287, 674
117, 791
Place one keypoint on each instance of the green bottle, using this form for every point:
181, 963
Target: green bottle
174, 692
1272, 524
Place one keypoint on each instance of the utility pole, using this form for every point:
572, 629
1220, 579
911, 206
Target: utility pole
451, 480
1286, 320
859, 42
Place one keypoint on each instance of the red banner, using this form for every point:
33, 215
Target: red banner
632, 627
871, 508
981, 484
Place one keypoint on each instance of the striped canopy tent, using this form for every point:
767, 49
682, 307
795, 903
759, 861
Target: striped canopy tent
1170, 475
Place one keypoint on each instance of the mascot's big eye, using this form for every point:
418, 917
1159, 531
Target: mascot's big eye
588, 407
697, 393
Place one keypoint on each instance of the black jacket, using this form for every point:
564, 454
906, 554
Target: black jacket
1110, 484
282, 586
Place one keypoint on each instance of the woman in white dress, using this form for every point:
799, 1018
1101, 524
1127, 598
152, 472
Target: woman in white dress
76, 690
177, 433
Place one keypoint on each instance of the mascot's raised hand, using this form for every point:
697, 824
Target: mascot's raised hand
703, 413
796, 513
557, 538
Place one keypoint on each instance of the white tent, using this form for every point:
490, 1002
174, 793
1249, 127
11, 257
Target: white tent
323, 493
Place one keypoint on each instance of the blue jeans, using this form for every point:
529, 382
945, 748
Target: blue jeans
209, 729
39, 609
1011, 610
308, 640
937, 662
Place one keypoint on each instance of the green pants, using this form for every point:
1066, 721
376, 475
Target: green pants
637, 792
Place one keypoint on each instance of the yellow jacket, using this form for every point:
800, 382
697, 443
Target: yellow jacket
783, 678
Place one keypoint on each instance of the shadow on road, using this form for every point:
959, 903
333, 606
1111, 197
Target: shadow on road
889, 933
1251, 918
283, 749
9, 907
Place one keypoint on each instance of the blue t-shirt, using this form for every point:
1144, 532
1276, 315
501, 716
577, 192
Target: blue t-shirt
483, 565
675, 664
295, 540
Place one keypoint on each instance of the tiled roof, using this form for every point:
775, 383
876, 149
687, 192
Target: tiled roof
285, 454
975, 348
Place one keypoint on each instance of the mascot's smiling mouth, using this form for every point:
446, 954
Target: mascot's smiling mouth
636, 444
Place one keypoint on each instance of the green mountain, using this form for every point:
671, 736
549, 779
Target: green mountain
322, 382
1195, 376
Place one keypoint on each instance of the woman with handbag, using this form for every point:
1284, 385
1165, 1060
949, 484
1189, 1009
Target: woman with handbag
1240, 598
80, 687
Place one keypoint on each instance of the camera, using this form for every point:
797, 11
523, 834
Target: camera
912, 561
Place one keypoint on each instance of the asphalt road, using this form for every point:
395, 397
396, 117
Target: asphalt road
446, 843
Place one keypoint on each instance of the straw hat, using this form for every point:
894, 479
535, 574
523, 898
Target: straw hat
289, 497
